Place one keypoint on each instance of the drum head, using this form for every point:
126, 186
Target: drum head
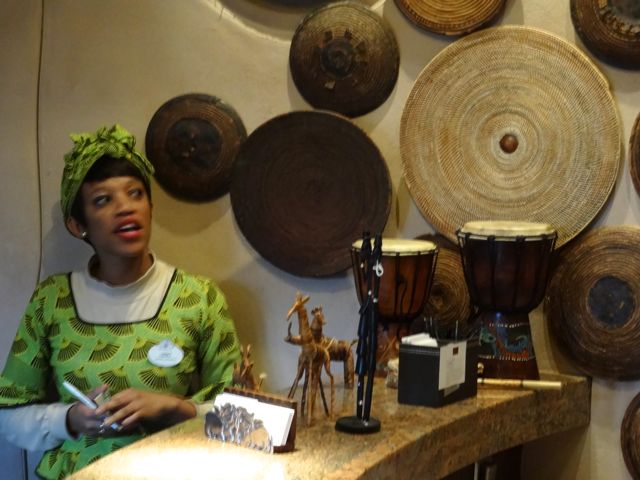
609, 29
305, 184
451, 18
401, 246
630, 437
592, 304
192, 141
519, 140
507, 229
344, 57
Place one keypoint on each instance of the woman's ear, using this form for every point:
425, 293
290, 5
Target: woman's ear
76, 228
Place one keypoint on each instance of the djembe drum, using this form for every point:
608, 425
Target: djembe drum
405, 285
408, 267
506, 267
393, 278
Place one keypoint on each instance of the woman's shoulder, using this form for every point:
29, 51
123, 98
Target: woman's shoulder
194, 283
193, 280
54, 282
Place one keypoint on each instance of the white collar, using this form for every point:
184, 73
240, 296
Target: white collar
102, 303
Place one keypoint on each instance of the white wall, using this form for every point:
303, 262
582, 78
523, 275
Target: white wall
20, 217
117, 60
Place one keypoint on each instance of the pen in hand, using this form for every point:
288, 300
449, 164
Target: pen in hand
86, 401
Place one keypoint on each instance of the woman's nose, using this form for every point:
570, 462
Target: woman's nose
124, 204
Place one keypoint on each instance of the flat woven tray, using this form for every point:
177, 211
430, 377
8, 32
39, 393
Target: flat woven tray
593, 302
449, 300
305, 186
450, 17
634, 154
610, 29
510, 123
630, 437
344, 57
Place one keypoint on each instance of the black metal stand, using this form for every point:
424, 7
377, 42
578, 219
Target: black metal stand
354, 424
370, 262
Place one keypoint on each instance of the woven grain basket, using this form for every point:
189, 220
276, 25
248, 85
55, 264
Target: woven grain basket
630, 437
593, 302
634, 154
510, 123
449, 301
610, 29
451, 17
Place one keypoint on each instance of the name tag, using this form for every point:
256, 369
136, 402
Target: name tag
165, 354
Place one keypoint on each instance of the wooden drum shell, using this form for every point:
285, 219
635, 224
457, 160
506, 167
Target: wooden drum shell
506, 275
405, 284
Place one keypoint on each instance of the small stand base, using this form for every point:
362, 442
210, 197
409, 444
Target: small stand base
357, 425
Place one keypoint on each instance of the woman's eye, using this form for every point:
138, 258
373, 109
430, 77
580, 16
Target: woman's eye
136, 192
100, 200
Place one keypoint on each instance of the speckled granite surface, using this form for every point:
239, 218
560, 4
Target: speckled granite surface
414, 442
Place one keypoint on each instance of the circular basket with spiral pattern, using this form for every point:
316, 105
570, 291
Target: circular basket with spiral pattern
510, 123
592, 304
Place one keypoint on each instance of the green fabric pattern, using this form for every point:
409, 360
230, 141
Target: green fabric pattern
55, 343
113, 141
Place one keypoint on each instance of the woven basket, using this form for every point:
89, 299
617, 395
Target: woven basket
609, 29
634, 154
344, 57
305, 186
593, 305
449, 300
450, 17
630, 437
192, 141
510, 123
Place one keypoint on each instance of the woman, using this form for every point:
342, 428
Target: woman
158, 340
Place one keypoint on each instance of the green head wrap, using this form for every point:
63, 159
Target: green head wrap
115, 142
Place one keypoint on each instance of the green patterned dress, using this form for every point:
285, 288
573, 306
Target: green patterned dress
53, 343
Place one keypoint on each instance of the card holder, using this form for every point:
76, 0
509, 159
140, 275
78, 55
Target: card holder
419, 375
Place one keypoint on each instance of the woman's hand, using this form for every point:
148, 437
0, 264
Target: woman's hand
82, 420
132, 407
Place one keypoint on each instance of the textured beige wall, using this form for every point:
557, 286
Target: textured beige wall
20, 213
117, 60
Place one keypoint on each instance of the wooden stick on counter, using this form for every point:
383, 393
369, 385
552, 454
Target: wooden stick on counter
518, 383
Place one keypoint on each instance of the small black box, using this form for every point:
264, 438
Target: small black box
418, 372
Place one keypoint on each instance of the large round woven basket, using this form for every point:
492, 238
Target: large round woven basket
634, 154
305, 186
451, 17
630, 437
610, 29
593, 302
510, 123
344, 57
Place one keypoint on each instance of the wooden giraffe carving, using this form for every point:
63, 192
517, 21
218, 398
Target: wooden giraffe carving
313, 357
339, 350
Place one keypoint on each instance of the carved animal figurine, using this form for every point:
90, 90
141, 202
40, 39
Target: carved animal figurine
339, 350
243, 371
313, 357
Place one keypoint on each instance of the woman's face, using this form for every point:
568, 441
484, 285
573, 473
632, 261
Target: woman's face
118, 216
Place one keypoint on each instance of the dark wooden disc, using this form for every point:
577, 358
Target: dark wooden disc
192, 141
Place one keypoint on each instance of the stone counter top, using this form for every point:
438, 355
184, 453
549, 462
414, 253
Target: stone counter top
414, 442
